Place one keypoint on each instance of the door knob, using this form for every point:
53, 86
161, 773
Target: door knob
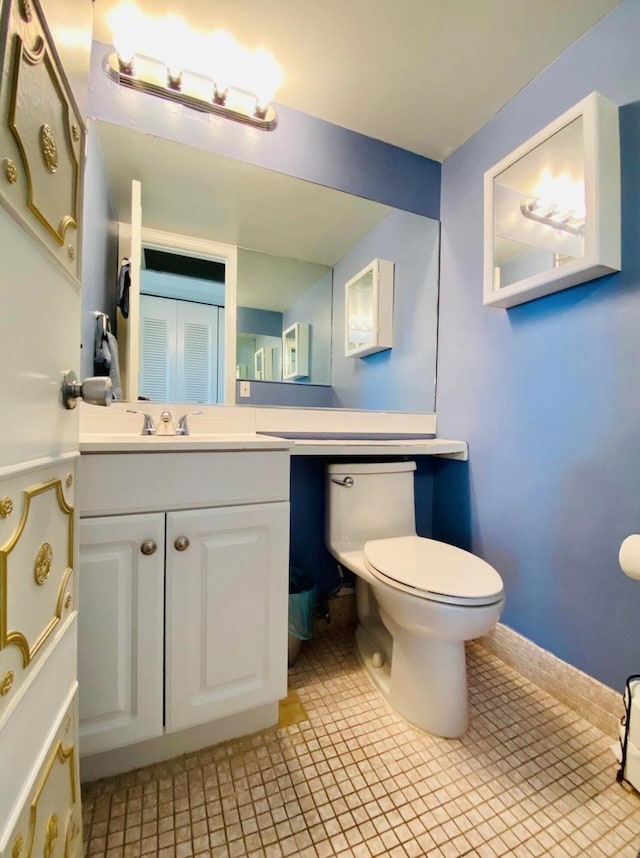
181, 543
148, 547
97, 390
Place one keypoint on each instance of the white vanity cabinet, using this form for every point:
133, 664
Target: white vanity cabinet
183, 591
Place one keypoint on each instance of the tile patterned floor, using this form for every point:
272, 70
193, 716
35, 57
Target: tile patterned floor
530, 778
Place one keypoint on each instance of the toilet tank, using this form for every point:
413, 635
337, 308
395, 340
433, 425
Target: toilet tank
377, 505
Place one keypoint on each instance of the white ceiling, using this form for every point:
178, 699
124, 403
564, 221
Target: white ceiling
208, 196
296, 230
421, 74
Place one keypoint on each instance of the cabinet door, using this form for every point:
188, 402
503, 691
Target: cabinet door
226, 611
120, 630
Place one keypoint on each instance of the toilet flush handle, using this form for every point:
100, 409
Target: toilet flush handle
347, 482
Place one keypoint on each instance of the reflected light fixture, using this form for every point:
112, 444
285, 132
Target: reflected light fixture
209, 72
567, 213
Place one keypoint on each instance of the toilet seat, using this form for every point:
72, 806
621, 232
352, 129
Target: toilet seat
433, 570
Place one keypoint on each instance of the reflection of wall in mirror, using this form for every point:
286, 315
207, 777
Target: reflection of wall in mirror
402, 378
258, 329
314, 308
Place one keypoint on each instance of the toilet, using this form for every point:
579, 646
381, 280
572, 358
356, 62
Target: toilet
418, 600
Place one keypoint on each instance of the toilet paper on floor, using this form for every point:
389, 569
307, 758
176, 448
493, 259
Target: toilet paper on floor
629, 556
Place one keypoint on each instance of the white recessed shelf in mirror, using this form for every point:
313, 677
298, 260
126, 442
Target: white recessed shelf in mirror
369, 310
552, 207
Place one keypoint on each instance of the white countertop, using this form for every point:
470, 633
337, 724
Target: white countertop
125, 442
338, 432
376, 447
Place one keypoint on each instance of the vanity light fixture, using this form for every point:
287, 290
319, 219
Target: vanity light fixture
208, 72
567, 212
553, 215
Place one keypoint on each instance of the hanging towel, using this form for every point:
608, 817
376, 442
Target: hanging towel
101, 355
114, 370
124, 281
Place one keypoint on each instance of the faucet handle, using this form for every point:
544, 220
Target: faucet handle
183, 427
147, 424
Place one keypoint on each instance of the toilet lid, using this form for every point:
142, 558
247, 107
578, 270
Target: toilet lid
435, 569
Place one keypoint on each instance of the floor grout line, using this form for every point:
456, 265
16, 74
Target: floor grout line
530, 778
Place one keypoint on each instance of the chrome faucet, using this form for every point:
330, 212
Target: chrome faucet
166, 426
183, 427
147, 424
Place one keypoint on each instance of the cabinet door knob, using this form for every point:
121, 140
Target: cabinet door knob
181, 543
148, 547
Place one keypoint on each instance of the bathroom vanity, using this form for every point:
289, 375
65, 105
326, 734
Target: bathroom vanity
183, 551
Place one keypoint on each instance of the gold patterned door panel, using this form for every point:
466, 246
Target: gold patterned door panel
37, 595
50, 822
41, 134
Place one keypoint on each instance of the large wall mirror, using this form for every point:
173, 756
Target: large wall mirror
296, 244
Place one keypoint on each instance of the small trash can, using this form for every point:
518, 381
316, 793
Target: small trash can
302, 600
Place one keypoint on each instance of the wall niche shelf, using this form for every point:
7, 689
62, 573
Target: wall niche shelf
295, 351
368, 301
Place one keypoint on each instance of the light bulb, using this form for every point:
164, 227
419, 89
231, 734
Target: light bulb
223, 62
176, 43
126, 23
267, 77
562, 191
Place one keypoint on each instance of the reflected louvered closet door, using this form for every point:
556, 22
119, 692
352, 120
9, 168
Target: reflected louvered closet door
178, 350
157, 348
197, 364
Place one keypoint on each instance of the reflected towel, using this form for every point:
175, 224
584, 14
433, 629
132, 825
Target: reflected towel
114, 369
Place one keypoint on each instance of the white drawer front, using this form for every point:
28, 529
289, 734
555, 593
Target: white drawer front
154, 482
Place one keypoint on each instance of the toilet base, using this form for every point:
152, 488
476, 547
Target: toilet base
367, 646
425, 680
428, 683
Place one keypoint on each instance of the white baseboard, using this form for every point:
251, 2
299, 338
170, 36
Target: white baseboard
597, 703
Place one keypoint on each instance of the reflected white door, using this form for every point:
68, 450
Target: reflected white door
130, 247
130, 242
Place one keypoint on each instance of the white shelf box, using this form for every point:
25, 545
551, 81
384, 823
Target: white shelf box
263, 364
295, 351
369, 310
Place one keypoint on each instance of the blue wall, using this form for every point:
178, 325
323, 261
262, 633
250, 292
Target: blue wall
548, 393
253, 321
401, 378
285, 393
301, 145
99, 251
314, 307
164, 285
